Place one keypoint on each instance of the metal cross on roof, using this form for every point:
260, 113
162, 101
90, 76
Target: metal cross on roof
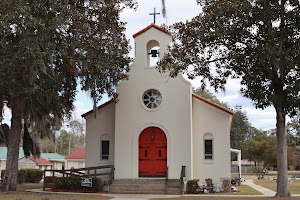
154, 14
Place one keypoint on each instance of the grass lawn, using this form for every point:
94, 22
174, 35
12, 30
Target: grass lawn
246, 190
28, 186
37, 196
293, 187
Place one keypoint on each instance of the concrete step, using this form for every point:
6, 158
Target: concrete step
145, 186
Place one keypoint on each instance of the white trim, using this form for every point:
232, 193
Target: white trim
239, 157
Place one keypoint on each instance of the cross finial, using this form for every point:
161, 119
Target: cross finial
154, 14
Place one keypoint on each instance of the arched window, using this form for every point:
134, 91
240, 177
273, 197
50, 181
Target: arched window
104, 147
153, 53
208, 146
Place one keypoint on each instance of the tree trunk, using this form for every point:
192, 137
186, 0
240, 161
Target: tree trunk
11, 172
282, 166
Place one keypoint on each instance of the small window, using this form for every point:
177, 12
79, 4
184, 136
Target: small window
208, 150
104, 150
146, 153
159, 153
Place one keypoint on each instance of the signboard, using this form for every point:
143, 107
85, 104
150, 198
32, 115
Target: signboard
86, 182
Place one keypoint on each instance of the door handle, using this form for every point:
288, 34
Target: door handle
153, 161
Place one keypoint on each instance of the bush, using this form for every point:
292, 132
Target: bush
74, 183
33, 175
226, 185
192, 186
20, 179
209, 182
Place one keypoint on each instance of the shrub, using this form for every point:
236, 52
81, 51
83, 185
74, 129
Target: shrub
20, 179
192, 186
33, 175
74, 183
226, 185
209, 182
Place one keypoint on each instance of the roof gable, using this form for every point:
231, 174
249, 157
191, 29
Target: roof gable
40, 161
77, 154
150, 26
213, 104
99, 107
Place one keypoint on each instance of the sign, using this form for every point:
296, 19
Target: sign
86, 182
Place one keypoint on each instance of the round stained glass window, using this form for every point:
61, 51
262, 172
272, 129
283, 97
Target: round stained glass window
152, 99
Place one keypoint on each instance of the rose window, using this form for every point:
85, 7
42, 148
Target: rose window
152, 98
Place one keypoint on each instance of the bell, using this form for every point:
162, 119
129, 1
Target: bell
154, 53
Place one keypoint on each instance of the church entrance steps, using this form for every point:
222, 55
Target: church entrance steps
145, 186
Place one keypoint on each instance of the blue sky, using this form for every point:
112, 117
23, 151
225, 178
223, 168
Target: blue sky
177, 10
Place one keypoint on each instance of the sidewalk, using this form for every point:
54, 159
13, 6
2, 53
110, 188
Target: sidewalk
263, 190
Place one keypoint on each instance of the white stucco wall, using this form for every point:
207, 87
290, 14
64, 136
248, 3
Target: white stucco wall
173, 116
2, 164
96, 129
57, 164
209, 119
75, 163
25, 163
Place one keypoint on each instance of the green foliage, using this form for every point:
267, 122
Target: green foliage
265, 152
192, 186
259, 134
209, 182
28, 175
255, 41
241, 130
242, 41
49, 47
73, 137
20, 178
256, 150
74, 183
32, 175
226, 185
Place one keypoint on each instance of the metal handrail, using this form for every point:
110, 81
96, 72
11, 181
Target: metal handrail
166, 179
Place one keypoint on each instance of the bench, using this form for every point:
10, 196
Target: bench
49, 182
295, 176
290, 180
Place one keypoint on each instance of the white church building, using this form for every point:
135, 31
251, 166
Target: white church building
158, 125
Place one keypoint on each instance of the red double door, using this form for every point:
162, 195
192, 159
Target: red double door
152, 153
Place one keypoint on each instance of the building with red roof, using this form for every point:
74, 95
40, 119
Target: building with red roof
76, 159
31, 162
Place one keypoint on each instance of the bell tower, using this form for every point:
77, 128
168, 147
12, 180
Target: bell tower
151, 43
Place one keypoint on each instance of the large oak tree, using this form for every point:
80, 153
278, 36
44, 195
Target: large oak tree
256, 41
47, 47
